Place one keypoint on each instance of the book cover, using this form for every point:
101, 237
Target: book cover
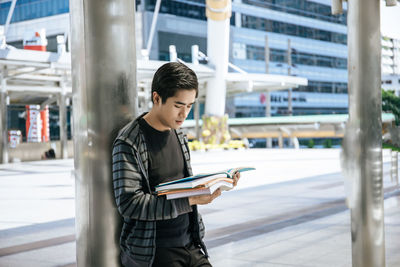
225, 173
201, 184
197, 184
190, 183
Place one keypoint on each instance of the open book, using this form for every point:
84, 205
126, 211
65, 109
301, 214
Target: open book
206, 189
201, 184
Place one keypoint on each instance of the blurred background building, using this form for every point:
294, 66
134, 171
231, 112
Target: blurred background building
303, 30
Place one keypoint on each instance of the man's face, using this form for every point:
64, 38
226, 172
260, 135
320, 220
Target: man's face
174, 111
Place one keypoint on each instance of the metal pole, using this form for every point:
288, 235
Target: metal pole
267, 94
3, 118
267, 104
195, 54
197, 118
268, 114
63, 123
173, 55
9, 16
394, 171
71, 117
280, 140
266, 53
289, 59
362, 145
105, 98
153, 26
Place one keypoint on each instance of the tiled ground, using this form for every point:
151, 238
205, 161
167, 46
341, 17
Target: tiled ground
290, 212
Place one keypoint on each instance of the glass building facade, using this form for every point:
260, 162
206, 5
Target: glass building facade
318, 40
318, 44
33, 9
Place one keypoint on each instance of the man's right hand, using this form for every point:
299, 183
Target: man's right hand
204, 199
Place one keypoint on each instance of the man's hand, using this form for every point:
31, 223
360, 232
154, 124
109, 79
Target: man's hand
236, 178
204, 199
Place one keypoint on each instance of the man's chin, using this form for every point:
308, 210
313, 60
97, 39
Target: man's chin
176, 127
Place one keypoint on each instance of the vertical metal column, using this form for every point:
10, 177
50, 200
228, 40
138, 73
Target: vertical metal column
289, 72
3, 118
9, 16
267, 94
197, 118
266, 54
394, 170
362, 146
268, 114
63, 123
196, 111
105, 98
280, 139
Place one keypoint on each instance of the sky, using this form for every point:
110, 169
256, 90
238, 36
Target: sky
390, 20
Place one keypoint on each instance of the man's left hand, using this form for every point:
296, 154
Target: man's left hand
236, 178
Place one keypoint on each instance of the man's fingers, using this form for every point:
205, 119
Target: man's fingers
236, 178
216, 193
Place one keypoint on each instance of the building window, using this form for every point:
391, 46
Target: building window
278, 55
257, 23
33, 9
324, 87
302, 8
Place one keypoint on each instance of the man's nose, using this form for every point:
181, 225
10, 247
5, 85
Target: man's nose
186, 112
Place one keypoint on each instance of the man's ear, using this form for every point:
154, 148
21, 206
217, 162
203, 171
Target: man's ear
156, 98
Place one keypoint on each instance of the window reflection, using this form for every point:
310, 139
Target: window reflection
300, 58
292, 29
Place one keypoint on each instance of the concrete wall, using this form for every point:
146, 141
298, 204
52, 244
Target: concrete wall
34, 151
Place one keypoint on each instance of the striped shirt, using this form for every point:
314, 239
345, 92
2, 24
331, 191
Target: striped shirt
140, 206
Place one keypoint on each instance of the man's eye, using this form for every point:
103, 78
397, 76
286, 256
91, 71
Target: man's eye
177, 106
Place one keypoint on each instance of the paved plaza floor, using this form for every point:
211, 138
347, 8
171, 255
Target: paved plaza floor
289, 212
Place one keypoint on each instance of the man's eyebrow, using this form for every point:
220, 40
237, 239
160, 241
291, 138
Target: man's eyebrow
181, 103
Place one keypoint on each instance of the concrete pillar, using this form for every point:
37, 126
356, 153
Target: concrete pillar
218, 15
105, 98
362, 145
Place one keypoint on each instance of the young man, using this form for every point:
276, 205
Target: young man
151, 150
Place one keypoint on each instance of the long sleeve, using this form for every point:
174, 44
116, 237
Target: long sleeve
129, 190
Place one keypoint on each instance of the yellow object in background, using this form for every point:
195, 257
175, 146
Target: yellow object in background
215, 130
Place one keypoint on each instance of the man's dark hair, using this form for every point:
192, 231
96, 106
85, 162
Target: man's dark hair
170, 78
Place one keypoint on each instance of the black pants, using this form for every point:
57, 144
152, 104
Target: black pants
189, 256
